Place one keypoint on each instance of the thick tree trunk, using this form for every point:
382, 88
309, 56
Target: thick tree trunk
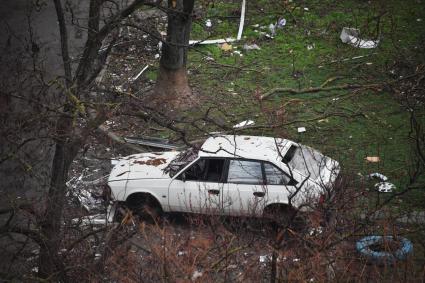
172, 87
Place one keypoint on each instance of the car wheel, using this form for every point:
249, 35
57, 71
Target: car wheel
146, 208
283, 216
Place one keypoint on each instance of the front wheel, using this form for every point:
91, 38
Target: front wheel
145, 207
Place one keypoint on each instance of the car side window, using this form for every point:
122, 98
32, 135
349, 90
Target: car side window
275, 176
196, 172
208, 170
245, 172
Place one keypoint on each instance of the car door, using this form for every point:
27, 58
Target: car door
280, 186
245, 192
198, 188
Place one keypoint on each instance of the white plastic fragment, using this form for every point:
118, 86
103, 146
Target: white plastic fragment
196, 274
301, 130
244, 124
265, 258
157, 56
141, 72
208, 23
251, 47
351, 36
385, 187
378, 176
281, 23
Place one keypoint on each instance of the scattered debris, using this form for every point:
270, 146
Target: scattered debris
208, 23
301, 130
265, 258
378, 176
244, 124
226, 40
226, 47
314, 231
196, 274
385, 187
140, 73
281, 23
311, 46
373, 159
272, 29
157, 56
351, 36
251, 47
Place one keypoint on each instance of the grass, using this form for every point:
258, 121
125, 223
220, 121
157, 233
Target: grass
367, 123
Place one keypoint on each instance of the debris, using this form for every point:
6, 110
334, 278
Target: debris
226, 47
306, 9
151, 141
157, 56
208, 23
251, 47
181, 253
226, 40
265, 258
272, 29
196, 274
281, 23
138, 75
310, 46
314, 231
385, 187
351, 36
244, 124
378, 176
301, 130
296, 260
373, 159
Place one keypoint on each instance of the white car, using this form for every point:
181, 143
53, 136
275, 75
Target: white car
229, 175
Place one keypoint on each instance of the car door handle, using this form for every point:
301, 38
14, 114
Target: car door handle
213, 192
259, 194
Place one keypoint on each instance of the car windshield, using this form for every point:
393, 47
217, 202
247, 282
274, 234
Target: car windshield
305, 160
181, 160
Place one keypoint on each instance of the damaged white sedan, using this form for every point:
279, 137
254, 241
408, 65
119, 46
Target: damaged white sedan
227, 175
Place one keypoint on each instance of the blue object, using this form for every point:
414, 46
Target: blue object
363, 247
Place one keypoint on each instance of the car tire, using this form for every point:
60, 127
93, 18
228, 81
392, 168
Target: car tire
146, 208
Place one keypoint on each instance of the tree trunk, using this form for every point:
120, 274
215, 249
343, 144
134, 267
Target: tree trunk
172, 87
50, 266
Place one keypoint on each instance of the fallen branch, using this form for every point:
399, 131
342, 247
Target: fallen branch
318, 89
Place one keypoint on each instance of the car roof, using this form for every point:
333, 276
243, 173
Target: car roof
249, 147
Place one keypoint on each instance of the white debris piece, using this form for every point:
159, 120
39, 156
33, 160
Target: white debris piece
379, 176
157, 56
244, 124
272, 29
281, 23
301, 130
385, 187
208, 23
196, 274
141, 72
251, 47
265, 258
351, 36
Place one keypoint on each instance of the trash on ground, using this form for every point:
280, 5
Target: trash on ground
314, 231
151, 142
196, 274
281, 23
272, 29
378, 176
97, 219
385, 187
244, 124
376, 248
157, 56
251, 47
226, 47
310, 46
351, 36
208, 23
301, 130
139, 74
373, 159
226, 40
265, 258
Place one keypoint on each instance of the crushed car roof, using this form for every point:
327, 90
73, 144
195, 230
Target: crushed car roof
249, 147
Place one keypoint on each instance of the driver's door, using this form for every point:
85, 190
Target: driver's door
198, 188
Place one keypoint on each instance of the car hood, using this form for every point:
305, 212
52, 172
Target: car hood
143, 166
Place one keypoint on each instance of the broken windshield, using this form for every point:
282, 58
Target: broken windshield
181, 160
